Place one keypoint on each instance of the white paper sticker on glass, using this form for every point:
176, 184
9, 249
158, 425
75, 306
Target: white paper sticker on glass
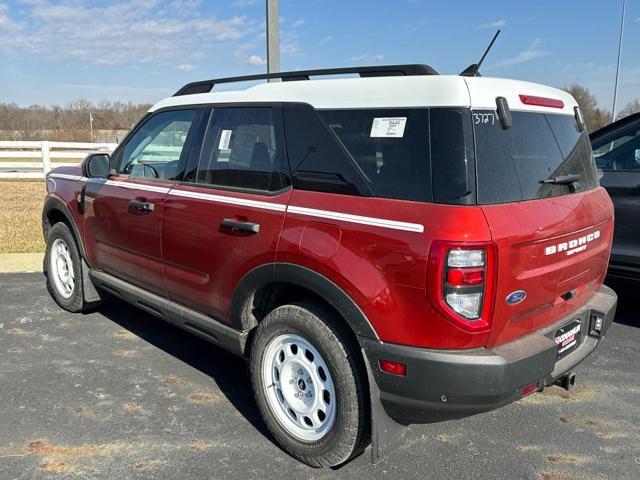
388, 127
225, 138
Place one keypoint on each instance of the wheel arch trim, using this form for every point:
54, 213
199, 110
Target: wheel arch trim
302, 277
56, 203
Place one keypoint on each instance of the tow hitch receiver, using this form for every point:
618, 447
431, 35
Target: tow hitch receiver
567, 381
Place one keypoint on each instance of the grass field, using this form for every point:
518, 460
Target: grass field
20, 216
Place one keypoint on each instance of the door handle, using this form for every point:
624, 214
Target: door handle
245, 226
139, 207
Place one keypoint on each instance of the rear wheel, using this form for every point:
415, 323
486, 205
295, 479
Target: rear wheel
302, 396
309, 384
64, 274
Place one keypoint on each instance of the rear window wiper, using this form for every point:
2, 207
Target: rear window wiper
562, 179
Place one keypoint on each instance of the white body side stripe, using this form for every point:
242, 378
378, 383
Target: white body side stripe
66, 176
346, 217
133, 186
278, 207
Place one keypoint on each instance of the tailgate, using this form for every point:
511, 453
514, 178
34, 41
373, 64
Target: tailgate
556, 250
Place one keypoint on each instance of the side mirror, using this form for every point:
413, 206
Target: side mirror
96, 165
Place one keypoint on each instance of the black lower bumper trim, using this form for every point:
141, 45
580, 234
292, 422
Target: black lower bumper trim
446, 384
624, 271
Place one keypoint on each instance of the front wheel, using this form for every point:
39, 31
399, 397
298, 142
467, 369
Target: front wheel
310, 384
63, 270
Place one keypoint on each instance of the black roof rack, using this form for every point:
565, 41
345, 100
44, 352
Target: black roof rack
206, 86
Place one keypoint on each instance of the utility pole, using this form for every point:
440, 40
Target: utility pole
273, 38
615, 87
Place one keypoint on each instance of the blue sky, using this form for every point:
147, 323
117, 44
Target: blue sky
142, 50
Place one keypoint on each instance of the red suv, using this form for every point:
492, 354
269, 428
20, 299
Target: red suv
398, 248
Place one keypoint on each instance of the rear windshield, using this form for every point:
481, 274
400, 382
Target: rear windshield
540, 156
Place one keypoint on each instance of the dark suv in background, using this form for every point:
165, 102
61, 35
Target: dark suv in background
616, 148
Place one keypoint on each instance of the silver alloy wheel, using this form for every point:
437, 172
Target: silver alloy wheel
299, 387
61, 268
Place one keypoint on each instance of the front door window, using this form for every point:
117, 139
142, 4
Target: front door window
156, 149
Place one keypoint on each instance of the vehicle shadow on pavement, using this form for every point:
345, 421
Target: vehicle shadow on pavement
229, 372
628, 312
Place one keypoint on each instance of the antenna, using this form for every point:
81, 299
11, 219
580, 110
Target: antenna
473, 70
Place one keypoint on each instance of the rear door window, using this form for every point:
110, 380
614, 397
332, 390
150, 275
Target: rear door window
243, 149
513, 164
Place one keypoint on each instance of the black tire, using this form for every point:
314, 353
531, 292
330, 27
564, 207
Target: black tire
75, 301
328, 335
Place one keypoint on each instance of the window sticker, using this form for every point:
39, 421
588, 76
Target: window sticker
389, 127
225, 139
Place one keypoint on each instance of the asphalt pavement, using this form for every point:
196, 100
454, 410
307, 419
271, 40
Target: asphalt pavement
119, 394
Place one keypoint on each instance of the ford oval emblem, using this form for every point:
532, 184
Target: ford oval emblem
516, 297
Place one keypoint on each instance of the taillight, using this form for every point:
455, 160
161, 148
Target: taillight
462, 277
462, 281
459, 257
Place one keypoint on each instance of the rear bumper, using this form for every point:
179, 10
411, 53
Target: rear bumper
446, 384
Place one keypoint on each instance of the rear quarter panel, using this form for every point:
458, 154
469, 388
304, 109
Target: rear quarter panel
384, 270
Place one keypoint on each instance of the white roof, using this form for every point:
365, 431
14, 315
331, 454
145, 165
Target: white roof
385, 92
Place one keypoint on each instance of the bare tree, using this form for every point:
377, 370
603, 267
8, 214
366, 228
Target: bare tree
630, 108
594, 116
80, 105
69, 122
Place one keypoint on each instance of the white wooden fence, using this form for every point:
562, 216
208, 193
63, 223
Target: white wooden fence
16, 158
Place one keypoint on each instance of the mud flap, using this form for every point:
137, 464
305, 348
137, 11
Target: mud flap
91, 294
385, 431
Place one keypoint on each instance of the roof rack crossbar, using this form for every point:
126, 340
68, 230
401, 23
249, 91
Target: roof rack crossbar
206, 86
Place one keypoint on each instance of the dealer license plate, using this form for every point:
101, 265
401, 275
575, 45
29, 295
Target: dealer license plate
568, 337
